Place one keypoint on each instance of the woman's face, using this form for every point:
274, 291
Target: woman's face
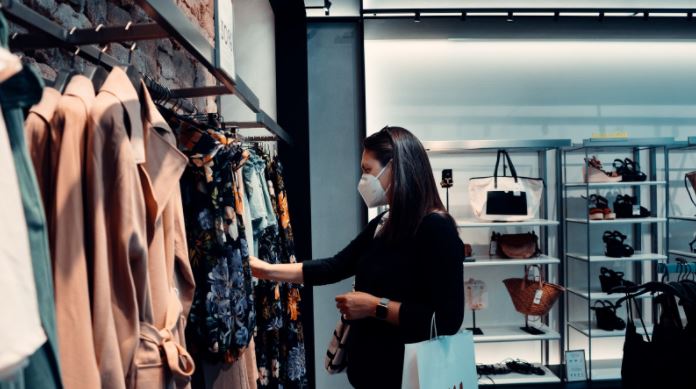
371, 165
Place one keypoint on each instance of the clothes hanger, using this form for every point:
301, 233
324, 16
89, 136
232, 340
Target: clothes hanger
64, 75
133, 74
97, 74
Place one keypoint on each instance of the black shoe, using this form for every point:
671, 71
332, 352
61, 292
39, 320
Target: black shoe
610, 279
616, 248
629, 170
606, 316
523, 367
626, 206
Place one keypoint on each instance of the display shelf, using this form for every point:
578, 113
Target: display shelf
516, 378
606, 369
599, 295
485, 260
603, 258
638, 220
614, 184
513, 333
628, 142
684, 218
487, 145
474, 223
680, 253
584, 328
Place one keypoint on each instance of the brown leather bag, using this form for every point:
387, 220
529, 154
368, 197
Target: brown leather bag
690, 178
516, 246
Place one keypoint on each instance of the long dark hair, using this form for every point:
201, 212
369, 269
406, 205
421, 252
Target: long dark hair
413, 192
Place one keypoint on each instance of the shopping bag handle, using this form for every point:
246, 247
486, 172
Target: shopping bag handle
433, 327
497, 164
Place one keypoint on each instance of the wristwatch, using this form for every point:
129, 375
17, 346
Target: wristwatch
382, 309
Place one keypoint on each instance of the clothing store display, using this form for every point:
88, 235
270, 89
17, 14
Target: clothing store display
605, 313
23, 334
609, 279
515, 246
432, 259
615, 246
532, 297
599, 210
19, 93
593, 171
627, 206
629, 170
505, 198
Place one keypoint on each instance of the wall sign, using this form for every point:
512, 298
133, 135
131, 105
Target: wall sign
224, 37
576, 369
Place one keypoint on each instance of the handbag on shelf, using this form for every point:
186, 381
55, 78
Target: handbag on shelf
690, 178
505, 198
530, 297
515, 246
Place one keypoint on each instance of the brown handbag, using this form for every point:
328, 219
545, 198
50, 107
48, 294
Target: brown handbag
515, 246
690, 178
532, 297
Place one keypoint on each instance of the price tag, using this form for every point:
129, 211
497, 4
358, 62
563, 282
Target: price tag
493, 248
537, 296
517, 193
636, 210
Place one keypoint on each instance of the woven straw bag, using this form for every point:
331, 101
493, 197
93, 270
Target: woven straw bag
524, 294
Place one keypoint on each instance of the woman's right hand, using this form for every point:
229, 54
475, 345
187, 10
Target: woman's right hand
259, 268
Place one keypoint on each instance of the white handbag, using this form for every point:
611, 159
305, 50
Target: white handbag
505, 198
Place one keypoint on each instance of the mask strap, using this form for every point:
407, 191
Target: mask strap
383, 169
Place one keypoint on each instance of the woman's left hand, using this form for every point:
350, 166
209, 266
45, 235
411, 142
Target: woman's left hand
357, 305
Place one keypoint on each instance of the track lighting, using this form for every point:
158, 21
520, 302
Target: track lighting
417, 19
463, 16
327, 7
510, 17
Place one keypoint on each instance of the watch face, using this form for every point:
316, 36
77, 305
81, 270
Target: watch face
381, 312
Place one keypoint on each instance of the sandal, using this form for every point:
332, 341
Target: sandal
629, 170
610, 279
522, 367
616, 248
606, 316
593, 172
601, 210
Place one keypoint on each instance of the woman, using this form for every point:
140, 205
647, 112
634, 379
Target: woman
407, 263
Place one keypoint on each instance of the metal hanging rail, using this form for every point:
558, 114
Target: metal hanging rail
521, 11
170, 23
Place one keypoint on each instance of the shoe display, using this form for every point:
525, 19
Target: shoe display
599, 210
609, 279
629, 170
495, 369
593, 172
606, 316
522, 367
626, 206
615, 246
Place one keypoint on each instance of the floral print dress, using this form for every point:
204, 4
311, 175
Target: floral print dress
223, 314
280, 350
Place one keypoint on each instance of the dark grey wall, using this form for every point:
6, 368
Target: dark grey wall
336, 128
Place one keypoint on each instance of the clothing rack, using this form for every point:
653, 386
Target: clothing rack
170, 22
675, 268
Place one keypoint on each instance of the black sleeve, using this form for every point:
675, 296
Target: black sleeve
442, 252
342, 265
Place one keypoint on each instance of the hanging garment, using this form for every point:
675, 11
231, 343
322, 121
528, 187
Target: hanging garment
246, 215
170, 275
21, 333
70, 269
43, 146
261, 207
222, 317
240, 375
294, 373
20, 92
280, 349
116, 228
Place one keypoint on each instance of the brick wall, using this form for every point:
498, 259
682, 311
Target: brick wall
163, 60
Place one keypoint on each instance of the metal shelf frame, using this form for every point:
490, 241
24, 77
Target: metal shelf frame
634, 147
542, 147
170, 22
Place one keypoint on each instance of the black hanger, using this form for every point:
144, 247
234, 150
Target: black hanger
98, 74
64, 75
649, 287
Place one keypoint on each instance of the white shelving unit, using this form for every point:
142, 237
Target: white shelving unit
473, 223
593, 185
512, 333
636, 257
680, 253
481, 261
638, 220
683, 218
645, 236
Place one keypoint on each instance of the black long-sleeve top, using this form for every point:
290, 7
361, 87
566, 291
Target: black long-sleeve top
424, 274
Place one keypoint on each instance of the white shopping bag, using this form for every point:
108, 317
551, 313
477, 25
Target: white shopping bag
443, 362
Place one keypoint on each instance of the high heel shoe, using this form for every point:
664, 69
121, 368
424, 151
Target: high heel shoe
626, 206
615, 247
610, 279
629, 170
593, 172
601, 210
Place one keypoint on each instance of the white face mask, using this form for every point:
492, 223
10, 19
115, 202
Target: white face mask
371, 189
